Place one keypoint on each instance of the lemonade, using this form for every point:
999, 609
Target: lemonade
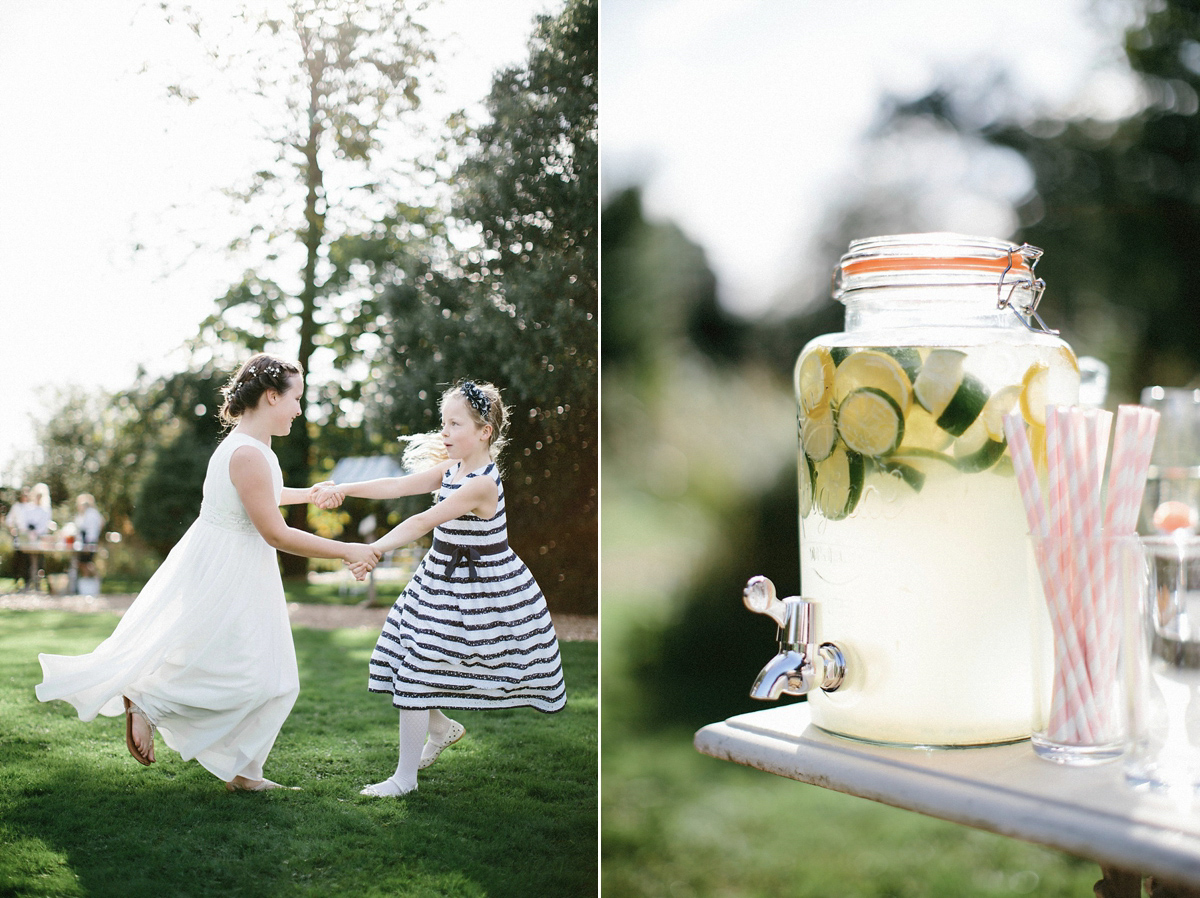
913, 537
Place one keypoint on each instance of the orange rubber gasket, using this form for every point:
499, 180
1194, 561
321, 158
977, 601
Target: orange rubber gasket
1013, 262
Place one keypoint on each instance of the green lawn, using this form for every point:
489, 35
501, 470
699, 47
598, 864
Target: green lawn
510, 810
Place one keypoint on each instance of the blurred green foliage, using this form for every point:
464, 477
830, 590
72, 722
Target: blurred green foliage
520, 311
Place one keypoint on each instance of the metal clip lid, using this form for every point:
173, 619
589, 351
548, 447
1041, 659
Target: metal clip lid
1029, 255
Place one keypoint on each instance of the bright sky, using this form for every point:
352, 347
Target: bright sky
95, 158
742, 119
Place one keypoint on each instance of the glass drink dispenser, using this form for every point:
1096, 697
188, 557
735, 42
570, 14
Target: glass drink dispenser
920, 623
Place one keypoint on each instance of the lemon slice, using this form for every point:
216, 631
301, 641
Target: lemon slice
1037, 446
921, 431
870, 422
1067, 355
818, 433
1002, 402
837, 483
872, 368
1034, 390
814, 379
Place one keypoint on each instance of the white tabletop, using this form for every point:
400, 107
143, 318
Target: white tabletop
1086, 811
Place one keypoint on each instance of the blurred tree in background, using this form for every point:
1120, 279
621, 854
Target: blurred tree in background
519, 309
531, 183
336, 75
90, 443
666, 345
183, 409
1115, 204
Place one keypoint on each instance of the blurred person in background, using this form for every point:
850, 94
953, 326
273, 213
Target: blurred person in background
36, 523
15, 522
90, 525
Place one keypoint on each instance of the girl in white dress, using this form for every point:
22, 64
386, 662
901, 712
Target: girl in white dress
204, 655
471, 629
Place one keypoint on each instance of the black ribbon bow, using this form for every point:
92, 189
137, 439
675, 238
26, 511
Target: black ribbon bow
458, 555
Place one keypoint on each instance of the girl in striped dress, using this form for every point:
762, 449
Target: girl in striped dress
471, 629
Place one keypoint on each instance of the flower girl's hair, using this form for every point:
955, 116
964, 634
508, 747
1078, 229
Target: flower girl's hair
261, 373
424, 450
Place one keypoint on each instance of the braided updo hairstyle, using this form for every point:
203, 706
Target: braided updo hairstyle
485, 407
261, 373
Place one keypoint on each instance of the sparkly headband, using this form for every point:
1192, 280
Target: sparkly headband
272, 369
475, 397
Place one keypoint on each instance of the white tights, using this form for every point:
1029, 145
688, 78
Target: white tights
414, 727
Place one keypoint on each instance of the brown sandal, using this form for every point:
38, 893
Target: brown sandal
130, 710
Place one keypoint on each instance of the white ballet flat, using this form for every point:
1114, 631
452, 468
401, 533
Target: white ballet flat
434, 747
386, 789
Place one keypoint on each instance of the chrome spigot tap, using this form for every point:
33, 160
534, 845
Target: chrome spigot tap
801, 664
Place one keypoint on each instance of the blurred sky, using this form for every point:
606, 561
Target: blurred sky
743, 119
94, 158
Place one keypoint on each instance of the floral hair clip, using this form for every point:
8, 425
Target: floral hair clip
475, 397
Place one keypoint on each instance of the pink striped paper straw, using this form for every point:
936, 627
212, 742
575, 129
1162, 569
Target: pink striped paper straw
1038, 520
1064, 702
1027, 479
1070, 477
1125, 442
1083, 489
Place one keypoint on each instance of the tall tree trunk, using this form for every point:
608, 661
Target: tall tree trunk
296, 472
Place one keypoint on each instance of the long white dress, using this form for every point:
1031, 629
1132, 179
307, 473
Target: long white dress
206, 649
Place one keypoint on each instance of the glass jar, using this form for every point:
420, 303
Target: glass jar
913, 538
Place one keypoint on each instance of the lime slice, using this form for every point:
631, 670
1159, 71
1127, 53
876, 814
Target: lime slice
938, 381
818, 433
872, 368
837, 483
908, 473
870, 422
1034, 390
966, 404
972, 439
922, 432
804, 474
975, 450
814, 379
1002, 402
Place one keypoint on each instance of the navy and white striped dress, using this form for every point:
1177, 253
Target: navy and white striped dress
471, 629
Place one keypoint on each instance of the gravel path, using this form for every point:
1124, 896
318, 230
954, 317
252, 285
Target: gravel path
570, 627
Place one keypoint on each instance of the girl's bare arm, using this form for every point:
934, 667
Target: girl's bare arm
477, 496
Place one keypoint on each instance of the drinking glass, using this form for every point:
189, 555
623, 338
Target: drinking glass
1079, 710
1172, 498
1162, 668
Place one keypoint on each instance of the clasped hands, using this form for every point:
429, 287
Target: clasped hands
325, 495
362, 556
